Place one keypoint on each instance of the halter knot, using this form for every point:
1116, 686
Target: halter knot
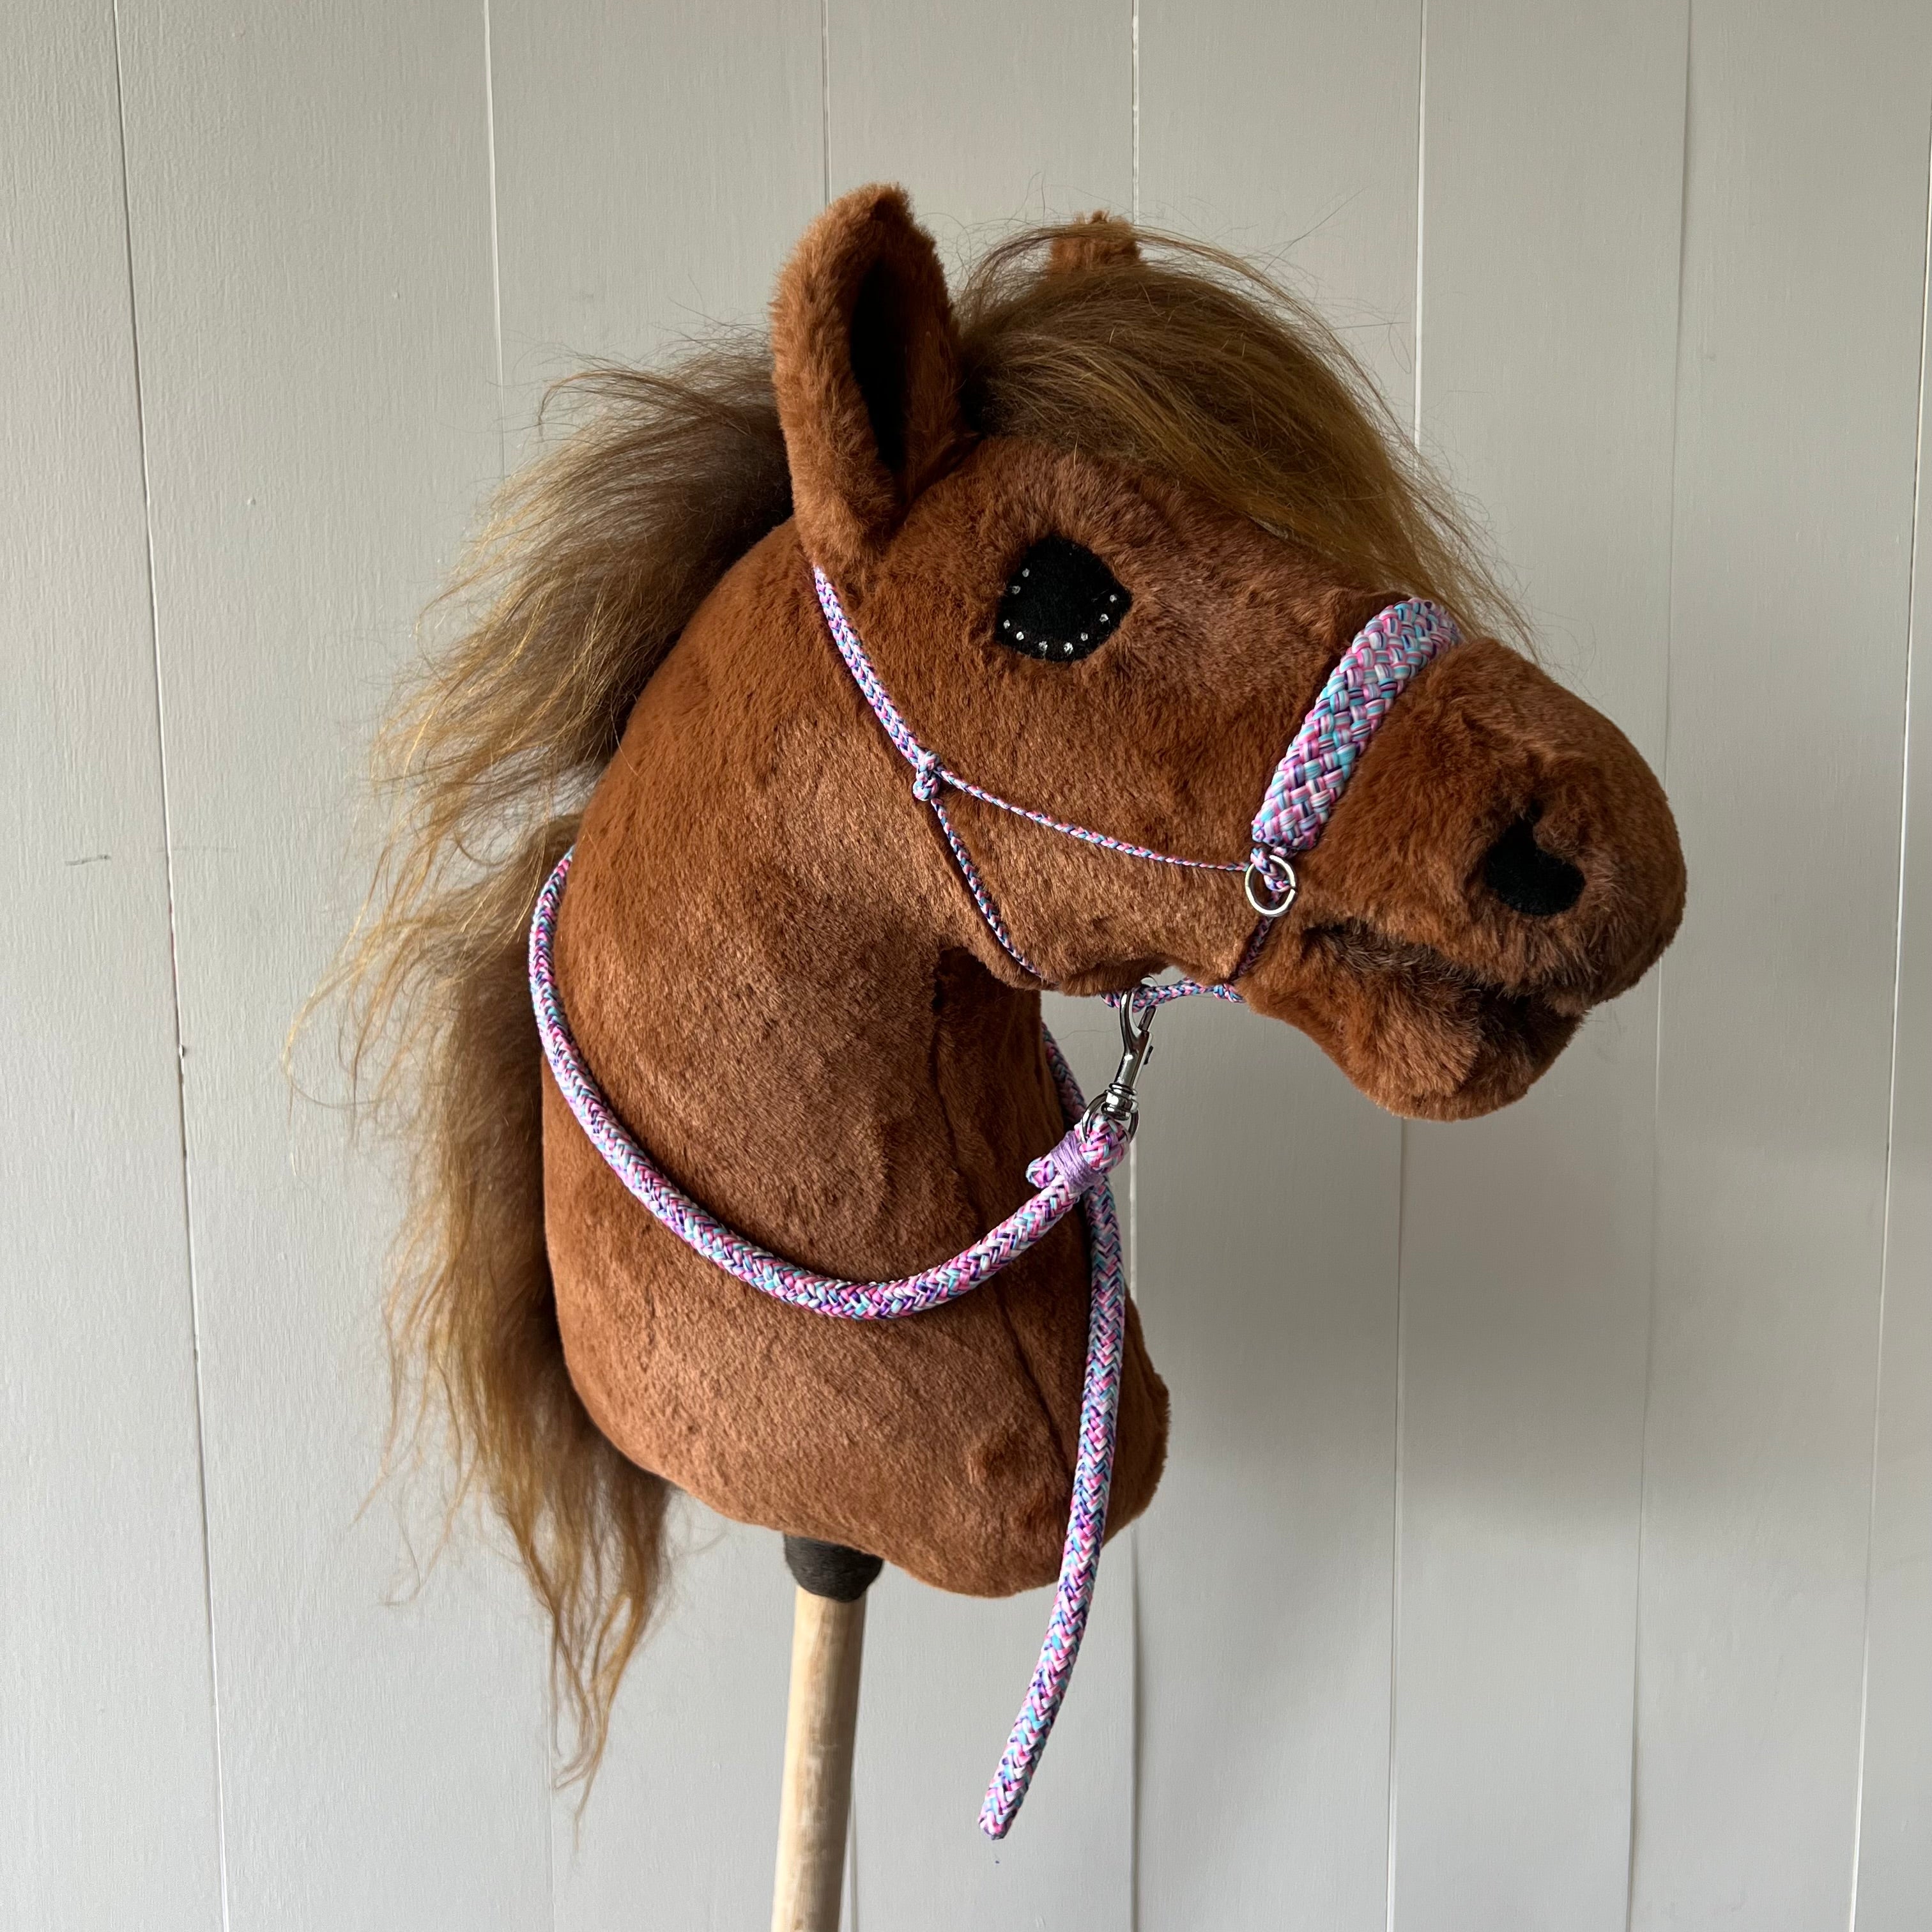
928, 779
1083, 1157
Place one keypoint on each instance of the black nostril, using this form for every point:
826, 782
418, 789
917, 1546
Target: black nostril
1526, 878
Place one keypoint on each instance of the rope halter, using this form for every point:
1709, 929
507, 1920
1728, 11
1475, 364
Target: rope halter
1370, 675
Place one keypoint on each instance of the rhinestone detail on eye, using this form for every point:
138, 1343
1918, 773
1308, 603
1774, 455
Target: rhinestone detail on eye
1061, 602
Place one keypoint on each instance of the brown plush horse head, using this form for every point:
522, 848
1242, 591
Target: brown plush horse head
770, 958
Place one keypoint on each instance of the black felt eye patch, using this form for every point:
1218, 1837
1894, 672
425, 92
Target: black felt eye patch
1061, 603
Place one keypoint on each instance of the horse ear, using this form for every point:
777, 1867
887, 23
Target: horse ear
1100, 241
865, 360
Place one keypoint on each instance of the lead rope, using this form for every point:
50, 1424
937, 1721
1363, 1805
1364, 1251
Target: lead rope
1074, 1169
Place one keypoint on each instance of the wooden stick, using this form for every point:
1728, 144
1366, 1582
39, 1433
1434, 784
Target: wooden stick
827, 1642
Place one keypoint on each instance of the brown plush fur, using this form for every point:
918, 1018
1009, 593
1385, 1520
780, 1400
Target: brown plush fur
779, 992
772, 965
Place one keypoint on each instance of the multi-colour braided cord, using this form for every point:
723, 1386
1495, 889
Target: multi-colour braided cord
1386, 652
1074, 1169
1093, 1478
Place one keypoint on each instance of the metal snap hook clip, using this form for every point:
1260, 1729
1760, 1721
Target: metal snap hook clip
1117, 1104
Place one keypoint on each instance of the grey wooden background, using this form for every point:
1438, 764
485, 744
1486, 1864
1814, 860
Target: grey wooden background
1548, 1538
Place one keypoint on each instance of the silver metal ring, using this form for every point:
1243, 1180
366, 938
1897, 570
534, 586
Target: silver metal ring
1277, 883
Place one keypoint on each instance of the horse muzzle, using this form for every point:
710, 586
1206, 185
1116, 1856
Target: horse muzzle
1502, 861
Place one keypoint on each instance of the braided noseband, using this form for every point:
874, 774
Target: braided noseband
1371, 675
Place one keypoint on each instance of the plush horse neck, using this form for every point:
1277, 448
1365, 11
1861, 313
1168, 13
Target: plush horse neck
787, 1006
788, 998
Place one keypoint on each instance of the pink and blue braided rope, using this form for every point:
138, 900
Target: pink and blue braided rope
1386, 652
1074, 1169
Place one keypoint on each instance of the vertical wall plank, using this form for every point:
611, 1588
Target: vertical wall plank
108, 1783
1798, 375
1267, 1188
1267, 1240
992, 115
1894, 1872
1552, 189
310, 197
680, 1826
1288, 133
653, 168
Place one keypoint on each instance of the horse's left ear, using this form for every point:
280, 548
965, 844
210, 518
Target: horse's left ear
1101, 241
865, 358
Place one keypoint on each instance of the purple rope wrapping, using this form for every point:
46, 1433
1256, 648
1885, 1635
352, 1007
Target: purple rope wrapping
1151, 997
1386, 652
1093, 1480
1074, 1169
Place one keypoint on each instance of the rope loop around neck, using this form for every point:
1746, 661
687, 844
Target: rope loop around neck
1072, 1172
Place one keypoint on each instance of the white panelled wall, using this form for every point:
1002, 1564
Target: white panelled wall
1547, 1539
